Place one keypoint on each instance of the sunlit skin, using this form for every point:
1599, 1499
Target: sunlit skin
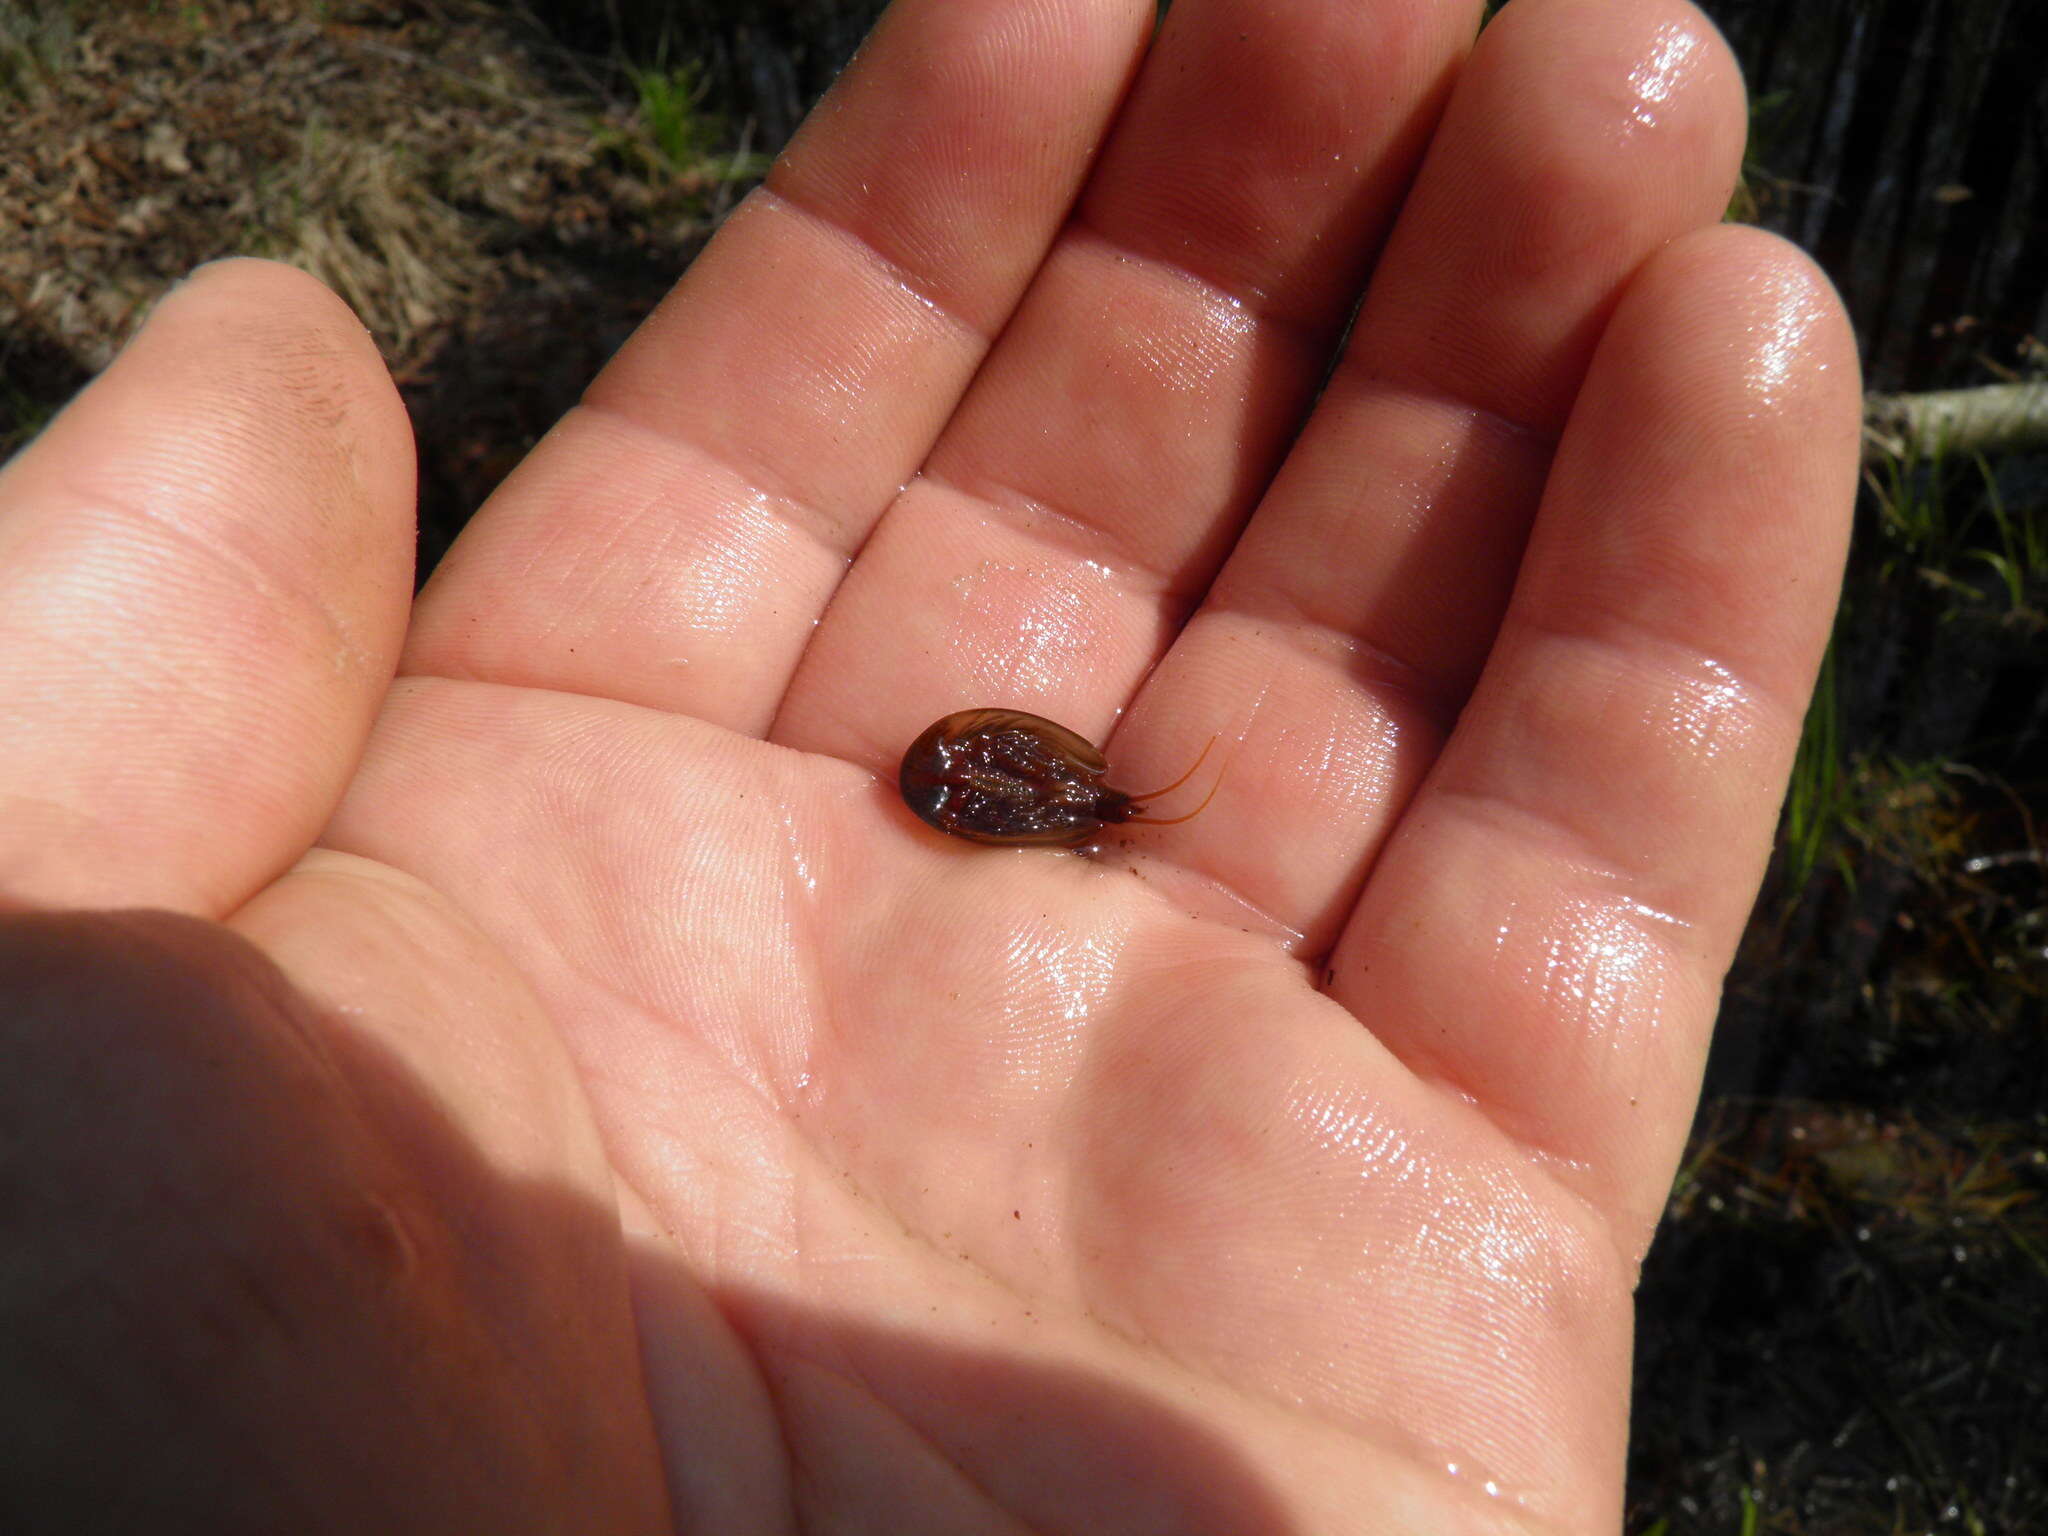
543, 1078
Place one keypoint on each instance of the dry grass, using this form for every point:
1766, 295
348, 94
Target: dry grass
392, 156
472, 190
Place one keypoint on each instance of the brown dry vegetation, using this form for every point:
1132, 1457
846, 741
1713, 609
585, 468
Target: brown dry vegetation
498, 220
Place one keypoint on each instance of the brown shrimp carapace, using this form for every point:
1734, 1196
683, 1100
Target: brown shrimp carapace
1002, 776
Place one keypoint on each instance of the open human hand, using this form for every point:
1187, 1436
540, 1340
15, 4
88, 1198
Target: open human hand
564, 1088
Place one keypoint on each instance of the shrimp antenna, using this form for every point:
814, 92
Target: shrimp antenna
1169, 821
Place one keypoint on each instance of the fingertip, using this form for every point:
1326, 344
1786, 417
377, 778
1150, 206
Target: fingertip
250, 290
1736, 344
244, 277
1755, 292
310, 351
1582, 136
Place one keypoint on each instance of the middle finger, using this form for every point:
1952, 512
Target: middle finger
1132, 413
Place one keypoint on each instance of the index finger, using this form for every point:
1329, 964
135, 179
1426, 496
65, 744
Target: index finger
673, 540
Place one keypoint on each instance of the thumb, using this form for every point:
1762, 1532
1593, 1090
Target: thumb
205, 568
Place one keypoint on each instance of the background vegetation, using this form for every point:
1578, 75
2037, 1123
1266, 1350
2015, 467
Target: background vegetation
1842, 1322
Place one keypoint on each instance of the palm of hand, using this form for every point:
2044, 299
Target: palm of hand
988, 1148
1290, 1165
